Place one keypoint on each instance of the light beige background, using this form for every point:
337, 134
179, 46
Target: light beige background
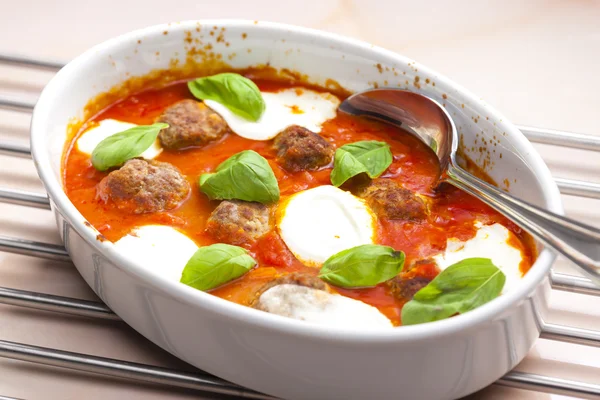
537, 61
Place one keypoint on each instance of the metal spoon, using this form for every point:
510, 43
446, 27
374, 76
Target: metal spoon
426, 119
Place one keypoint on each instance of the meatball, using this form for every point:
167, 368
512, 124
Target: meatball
142, 186
191, 123
238, 222
295, 278
390, 200
299, 149
406, 288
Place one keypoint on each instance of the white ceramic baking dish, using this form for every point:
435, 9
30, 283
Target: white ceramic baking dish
280, 356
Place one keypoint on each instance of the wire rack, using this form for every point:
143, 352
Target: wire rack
203, 381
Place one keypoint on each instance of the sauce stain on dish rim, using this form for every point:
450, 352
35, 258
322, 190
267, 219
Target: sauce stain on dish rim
202, 59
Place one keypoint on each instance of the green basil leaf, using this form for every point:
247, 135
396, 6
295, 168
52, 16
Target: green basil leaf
120, 147
362, 266
244, 176
214, 265
238, 94
369, 156
459, 288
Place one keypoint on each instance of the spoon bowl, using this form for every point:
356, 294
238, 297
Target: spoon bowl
426, 119
421, 116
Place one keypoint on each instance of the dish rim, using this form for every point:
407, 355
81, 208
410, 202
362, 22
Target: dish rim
246, 315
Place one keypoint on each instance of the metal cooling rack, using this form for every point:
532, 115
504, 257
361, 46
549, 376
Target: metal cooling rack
203, 381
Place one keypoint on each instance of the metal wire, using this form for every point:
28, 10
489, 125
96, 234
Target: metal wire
23, 198
24, 61
561, 138
578, 188
124, 369
34, 249
574, 284
547, 384
571, 334
16, 105
14, 150
48, 302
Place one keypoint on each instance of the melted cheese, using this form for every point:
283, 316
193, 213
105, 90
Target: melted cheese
320, 307
295, 106
491, 241
320, 222
161, 249
88, 141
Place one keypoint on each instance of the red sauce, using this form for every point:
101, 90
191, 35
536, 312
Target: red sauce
414, 166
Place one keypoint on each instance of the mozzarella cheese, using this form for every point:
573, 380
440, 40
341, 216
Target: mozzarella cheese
320, 307
320, 222
295, 106
88, 141
160, 249
491, 241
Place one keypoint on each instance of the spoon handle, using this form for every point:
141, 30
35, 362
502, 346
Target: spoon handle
578, 242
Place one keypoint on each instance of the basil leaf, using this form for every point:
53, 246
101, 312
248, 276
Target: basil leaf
369, 156
214, 265
244, 176
120, 147
362, 266
459, 288
238, 94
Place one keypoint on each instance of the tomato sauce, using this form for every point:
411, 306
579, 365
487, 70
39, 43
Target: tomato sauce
414, 166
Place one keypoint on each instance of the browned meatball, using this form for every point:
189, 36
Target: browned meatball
142, 186
238, 222
191, 123
295, 278
299, 149
390, 200
406, 288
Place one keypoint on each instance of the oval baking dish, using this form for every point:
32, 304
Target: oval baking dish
282, 356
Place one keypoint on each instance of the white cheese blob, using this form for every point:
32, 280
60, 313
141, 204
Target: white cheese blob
491, 241
161, 249
320, 222
295, 106
88, 141
320, 307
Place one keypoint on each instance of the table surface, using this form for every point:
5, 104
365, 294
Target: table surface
536, 61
